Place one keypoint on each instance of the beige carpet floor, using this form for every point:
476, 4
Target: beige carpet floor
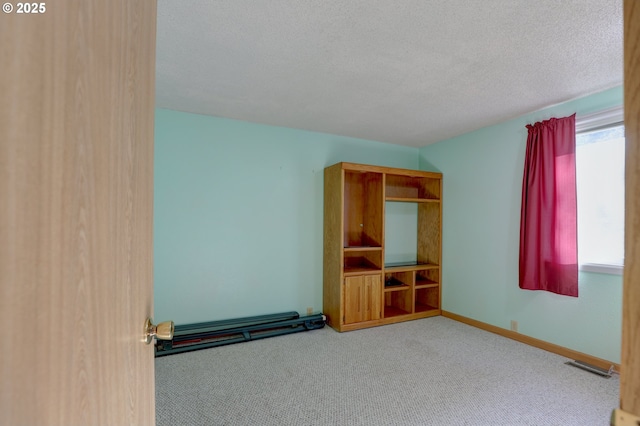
434, 371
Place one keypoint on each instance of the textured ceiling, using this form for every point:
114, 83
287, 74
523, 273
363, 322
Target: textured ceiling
407, 72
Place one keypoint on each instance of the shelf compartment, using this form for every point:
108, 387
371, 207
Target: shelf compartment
411, 188
398, 302
398, 287
363, 209
394, 268
427, 278
359, 270
359, 261
427, 299
390, 311
398, 281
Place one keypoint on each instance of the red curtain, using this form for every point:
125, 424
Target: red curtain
548, 221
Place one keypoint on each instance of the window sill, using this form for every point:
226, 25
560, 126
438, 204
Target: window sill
601, 268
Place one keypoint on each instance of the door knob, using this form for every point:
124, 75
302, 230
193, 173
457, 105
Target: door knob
162, 331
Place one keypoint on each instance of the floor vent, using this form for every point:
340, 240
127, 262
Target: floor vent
591, 368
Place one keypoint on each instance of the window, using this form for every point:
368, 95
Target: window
600, 148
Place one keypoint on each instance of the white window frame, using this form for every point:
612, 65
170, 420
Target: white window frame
589, 122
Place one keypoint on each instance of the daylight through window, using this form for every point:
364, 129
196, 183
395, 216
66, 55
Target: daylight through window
600, 188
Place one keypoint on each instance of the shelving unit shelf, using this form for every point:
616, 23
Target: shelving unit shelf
360, 291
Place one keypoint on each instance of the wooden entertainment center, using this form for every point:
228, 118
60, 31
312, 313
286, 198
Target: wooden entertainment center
360, 291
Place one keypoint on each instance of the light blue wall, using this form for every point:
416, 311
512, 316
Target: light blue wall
238, 224
481, 218
238, 214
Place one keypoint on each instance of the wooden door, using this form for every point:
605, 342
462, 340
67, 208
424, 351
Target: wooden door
372, 296
362, 298
630, 362
353, 311
76, 219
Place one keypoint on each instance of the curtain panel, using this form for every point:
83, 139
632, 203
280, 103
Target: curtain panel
548, 221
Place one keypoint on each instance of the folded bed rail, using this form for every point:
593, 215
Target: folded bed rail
191, 337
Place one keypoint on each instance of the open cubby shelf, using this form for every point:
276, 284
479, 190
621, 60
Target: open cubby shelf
399, 287
362, 260
409, 267
426, 285
425, 308
404, 186
356, 270
392, 311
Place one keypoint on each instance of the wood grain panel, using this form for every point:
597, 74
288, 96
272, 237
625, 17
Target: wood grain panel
374, 210
429, 233
332, 259
373, 297
354, 197
389, 170
354, 309
76, 168
630, 356
400, 186
362, 298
